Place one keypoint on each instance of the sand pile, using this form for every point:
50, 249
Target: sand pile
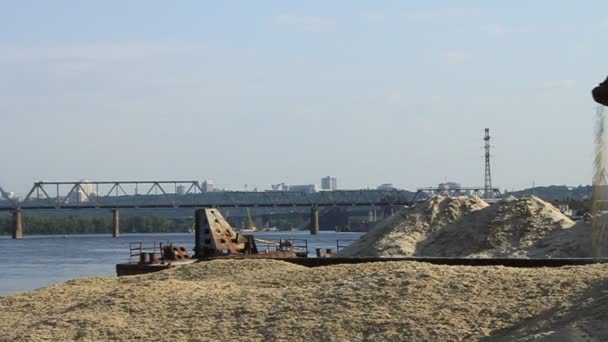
255, 300
599, 229
515, 227
468, 227
400, 234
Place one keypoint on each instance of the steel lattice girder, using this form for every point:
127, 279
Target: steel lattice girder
164, 194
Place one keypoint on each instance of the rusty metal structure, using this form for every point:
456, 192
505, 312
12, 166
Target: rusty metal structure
157, 253
214, 237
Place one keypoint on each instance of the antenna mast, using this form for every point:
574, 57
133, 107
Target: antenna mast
488, 177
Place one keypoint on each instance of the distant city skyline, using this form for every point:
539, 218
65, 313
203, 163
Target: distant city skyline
86, 192
259, 92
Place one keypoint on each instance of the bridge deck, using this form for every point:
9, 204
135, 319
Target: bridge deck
39, 198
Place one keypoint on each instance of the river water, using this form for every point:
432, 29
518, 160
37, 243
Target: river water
38, 261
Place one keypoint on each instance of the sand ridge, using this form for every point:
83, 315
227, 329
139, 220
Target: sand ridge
257, 300
399, 234
525, 227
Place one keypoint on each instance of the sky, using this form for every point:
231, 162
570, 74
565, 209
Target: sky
264, 92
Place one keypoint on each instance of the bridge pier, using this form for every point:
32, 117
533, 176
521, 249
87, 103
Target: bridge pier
372, 216
388, 211
115, 223
17, 225
314, 220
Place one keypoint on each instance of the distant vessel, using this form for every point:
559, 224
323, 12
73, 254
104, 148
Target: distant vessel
250, 225
241, 231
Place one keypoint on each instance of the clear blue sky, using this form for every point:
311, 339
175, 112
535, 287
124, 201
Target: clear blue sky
261, 92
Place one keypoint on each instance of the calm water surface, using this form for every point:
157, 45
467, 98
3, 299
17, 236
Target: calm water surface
38, 261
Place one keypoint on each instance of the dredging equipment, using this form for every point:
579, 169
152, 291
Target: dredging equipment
213, 238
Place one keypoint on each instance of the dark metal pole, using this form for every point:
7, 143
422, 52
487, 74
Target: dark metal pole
198, 219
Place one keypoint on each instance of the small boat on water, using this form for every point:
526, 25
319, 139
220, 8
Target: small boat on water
246, 231
251, 227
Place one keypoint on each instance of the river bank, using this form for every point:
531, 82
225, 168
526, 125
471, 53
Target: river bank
272, 300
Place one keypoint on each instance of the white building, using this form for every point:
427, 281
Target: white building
82, 193
208, 185
329, 183
565, 209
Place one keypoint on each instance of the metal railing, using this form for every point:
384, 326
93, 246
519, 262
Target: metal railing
136, 249
299, 246
340, 246
296, 245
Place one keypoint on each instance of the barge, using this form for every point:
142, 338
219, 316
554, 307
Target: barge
216, 239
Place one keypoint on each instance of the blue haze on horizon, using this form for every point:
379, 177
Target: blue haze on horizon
263, 92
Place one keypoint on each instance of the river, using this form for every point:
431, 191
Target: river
38, 261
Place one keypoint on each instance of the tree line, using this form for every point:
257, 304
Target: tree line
41, 225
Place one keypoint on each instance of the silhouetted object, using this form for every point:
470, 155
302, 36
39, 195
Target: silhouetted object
600, 93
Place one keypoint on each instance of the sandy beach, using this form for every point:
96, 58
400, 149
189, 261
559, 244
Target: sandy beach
265, 300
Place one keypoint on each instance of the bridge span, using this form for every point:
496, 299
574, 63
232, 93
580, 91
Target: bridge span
115, 195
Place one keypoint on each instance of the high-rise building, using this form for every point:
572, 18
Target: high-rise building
180, 189
83, 192
208, 185
329, 183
